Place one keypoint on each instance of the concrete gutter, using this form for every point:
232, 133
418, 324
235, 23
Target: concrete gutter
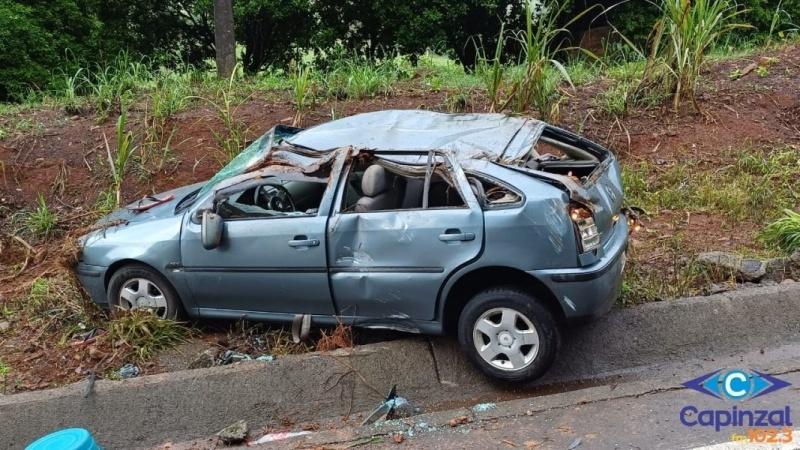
184, 405
649, 421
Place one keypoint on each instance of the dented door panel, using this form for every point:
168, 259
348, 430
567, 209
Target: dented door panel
394, 262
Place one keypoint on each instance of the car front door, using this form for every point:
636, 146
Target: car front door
390, 264
265, 263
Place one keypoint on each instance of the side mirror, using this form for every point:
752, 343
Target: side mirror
211, 229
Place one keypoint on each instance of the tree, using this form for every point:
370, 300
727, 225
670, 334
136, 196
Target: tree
224, 39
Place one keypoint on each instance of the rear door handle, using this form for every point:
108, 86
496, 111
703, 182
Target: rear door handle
303, 241
453, 235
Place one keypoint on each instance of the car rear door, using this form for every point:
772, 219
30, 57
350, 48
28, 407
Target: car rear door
391, 264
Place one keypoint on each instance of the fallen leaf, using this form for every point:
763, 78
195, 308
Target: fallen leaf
530, 445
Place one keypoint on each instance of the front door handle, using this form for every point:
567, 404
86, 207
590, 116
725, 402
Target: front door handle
303, 241
454, 234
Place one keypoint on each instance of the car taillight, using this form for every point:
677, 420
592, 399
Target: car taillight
585, 226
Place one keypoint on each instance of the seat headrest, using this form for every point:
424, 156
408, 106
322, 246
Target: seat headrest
375, 181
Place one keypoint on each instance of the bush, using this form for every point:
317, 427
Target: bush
36, 39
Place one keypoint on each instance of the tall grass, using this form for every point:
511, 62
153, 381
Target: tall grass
537, 82
680, 41
114, 85
492, 69
302, 91
226, 103
780, 18
118, 163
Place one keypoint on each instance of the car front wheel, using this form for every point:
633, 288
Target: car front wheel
138, 287
508, 334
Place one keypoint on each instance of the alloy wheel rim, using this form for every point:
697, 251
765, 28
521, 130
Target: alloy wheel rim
505, 339
141, 293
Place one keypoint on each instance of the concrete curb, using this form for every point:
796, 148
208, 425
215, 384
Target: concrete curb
188, 404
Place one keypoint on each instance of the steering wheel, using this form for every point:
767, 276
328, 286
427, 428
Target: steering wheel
273, 197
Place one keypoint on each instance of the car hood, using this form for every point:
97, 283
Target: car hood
160, 211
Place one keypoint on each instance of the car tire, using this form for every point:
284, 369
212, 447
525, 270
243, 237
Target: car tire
145, 289
508, 334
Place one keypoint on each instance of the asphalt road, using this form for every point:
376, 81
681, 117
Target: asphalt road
641, 414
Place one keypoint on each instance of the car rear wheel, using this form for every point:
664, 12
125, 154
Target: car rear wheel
508, 334
138, 287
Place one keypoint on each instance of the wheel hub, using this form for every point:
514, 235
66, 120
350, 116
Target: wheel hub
141, 293
505, 339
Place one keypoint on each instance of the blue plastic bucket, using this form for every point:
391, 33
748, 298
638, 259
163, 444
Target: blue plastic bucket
66, 439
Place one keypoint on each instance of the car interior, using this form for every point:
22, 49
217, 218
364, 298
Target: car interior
374, 187
370, 187
275, 198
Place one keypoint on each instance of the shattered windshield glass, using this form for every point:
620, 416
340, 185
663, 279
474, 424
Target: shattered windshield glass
249, 157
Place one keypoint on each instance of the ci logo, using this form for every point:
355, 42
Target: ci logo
736, 384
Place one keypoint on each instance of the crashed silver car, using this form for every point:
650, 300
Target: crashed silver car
499, 229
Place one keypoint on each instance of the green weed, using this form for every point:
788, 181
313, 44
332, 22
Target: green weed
231, 139
55, 304
492, 70
302, 91
680, 277
144, 334
757, 186
4, 371
439, 72
118, 163
780, 23
784, 233
41, 221
582, 71
682, 37
541, 41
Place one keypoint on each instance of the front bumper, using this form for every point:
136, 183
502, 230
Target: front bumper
591, 291
93, 280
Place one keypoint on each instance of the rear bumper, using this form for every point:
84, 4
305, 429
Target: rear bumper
93, 280
590, 291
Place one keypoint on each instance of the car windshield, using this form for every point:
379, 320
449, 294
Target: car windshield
248, 158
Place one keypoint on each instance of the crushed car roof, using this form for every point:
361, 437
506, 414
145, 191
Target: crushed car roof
468, 136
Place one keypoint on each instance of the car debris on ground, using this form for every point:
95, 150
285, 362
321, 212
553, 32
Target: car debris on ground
394, 407
129, 370
234, 433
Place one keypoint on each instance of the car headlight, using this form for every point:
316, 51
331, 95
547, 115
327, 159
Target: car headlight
588, 234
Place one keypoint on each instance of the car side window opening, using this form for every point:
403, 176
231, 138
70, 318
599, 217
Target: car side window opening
491, 193
273, 197
375, 185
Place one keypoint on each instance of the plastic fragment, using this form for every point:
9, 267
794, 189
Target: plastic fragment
129, 370
230, 357
272, 437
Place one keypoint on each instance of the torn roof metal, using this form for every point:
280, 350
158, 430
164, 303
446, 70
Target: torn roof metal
468, 136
